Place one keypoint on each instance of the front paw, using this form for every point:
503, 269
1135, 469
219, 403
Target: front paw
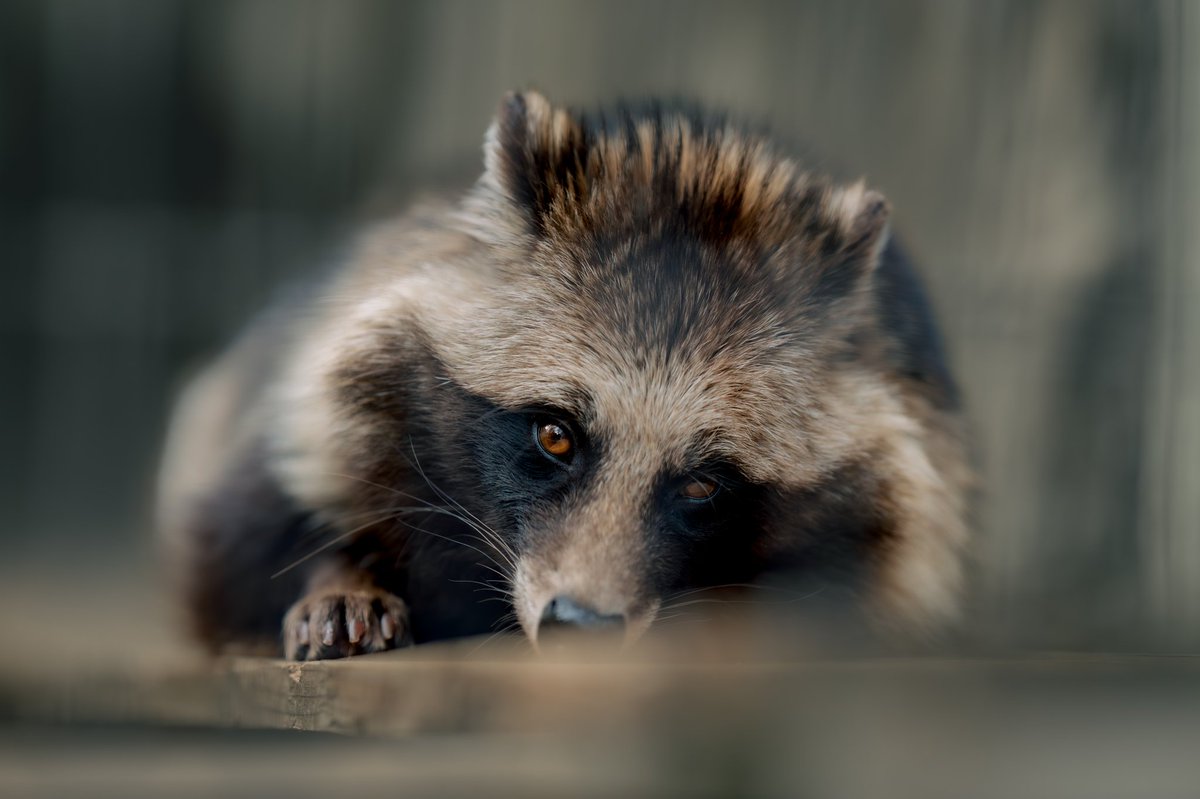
339, 623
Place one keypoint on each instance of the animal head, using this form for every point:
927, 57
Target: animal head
639, 357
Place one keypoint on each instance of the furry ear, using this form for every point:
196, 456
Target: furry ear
536, 154
858, 230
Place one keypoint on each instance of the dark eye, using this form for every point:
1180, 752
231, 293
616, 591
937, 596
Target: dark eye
554, 440
699, 489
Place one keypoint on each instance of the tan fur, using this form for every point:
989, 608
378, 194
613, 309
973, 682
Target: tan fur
211, 425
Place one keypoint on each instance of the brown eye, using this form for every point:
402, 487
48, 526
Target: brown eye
699, 489
554, 440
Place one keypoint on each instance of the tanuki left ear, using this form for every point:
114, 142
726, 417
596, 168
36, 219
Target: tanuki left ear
858, 231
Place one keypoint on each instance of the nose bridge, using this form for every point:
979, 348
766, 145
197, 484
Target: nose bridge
601, 554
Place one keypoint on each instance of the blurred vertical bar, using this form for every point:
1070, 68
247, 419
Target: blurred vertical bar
104, 262
1170, 521
22, 164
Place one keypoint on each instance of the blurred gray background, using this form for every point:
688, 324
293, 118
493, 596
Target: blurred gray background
166, 166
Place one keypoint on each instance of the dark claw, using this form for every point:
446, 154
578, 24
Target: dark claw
351, 623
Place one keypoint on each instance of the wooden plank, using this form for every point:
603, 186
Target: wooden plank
439, 689
111, 705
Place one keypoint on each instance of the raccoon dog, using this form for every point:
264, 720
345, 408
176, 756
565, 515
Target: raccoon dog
644, 355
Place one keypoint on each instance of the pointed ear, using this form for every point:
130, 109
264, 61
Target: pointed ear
859, 231
534, 154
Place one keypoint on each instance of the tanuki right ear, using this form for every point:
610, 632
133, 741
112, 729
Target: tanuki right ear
535, 153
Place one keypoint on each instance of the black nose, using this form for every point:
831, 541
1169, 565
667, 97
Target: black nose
562, 611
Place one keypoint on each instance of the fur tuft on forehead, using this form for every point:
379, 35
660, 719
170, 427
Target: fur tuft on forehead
659, 169
580, 180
